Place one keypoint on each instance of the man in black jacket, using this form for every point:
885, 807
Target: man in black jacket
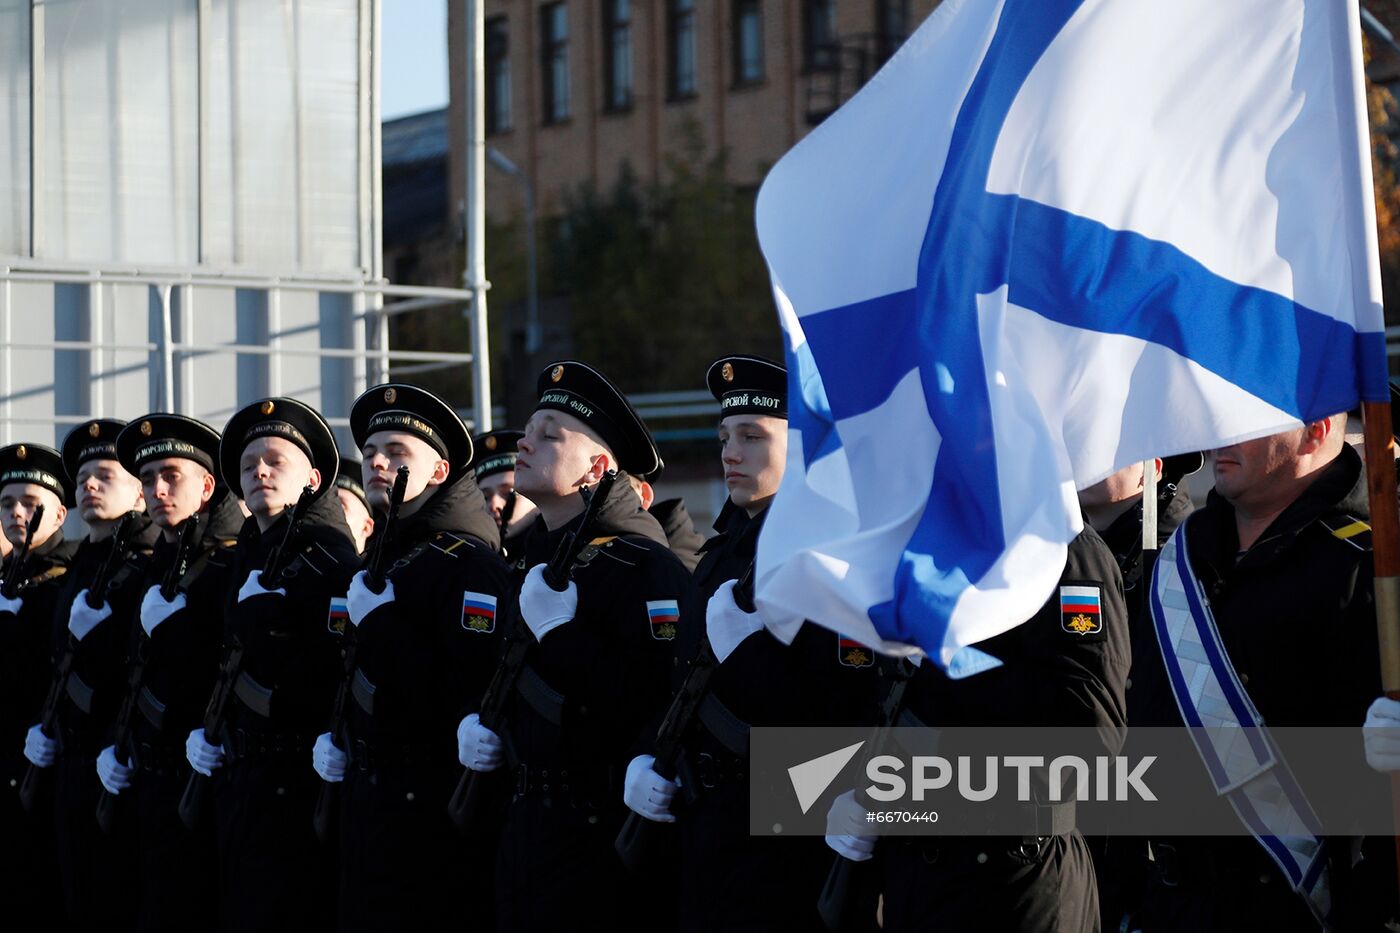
174, 645
1281, 551
30, 475
600, 668
493, 462
272, 874
820, 679
426, 645
96, 870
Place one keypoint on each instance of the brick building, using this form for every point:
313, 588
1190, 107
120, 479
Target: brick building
577, 88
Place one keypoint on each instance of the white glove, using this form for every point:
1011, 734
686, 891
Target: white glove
202, 756
328, 760
253, 587
362, 600
82, 618
478, 748
543, 608
843, 829
39, 748
155, 610
1382, 735
647, 793
11, 605
726, 624
115, 776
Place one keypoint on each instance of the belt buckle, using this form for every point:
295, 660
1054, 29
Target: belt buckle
707, 770
1168, 862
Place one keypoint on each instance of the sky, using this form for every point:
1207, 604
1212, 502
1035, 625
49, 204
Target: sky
413, 72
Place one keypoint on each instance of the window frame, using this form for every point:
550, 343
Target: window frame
615, 28
554, 53
674, 15
497, 120
738, 11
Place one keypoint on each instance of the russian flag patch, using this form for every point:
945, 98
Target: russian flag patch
339, 616
479, 612
664, 614
1080, 610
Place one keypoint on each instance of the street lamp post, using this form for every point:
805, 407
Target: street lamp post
533, 337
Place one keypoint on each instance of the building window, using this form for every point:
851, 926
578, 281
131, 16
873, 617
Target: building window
680, 30
748, 42
497, 75
554, 49
891, 26
819, 35
617, 54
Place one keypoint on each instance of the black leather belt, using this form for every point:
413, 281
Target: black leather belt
158, 759
729, 730
581, 788
152, 709
246, 743
79, 692
373, 756
543, 698
253, 695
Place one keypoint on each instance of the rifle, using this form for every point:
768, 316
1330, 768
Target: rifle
507, 513
471, 796
136, 672
849, 897
638, 843
192, 804
10, 584
48, 716
323, 819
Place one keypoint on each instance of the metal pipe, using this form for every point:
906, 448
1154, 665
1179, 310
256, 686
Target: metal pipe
167, 352
474, 274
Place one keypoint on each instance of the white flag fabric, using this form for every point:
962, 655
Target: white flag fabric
1049, 239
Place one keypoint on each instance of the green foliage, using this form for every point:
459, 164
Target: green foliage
662, 279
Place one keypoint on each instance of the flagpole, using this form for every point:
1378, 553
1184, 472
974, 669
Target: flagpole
1385, 544
1149, 510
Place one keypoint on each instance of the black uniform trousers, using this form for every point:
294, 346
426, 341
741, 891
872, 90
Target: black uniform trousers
177, 865
273, 872
1036, 885
97, 871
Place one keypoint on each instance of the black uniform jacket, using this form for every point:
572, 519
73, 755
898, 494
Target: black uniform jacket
94, 689
289, 648
426, 657
611, 663
182, 654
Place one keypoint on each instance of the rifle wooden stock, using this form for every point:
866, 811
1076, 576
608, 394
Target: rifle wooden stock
328, 798
10, 585
136, 671
192, 800
469, 799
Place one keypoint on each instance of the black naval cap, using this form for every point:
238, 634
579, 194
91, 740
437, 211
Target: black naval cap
37, 464
748, 385
91, 440
410, 409
495, 451
580, 390
1180, 466
158, 436
348, 478
288, 419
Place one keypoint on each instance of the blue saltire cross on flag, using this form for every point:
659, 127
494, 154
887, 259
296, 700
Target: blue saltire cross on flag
1049, 239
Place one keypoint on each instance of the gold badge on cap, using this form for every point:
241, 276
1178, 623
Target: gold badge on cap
146, 428
556, 373
22, 452
490, 443
94, 430
726, 372
267, 407
390, 395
